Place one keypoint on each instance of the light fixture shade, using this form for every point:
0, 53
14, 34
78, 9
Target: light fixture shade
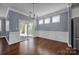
31, 13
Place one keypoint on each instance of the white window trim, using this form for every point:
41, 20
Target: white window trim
41, 21
57, 20
0, 25
7, 25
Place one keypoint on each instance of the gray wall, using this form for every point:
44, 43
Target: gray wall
14, 17
62, 26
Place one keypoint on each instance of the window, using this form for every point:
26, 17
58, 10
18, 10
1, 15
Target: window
41, 21
7, 25
56, 19
47, 20
0, 25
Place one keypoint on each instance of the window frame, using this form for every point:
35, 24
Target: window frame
0, 25
40, 21
7, 25
57, 20
46, 20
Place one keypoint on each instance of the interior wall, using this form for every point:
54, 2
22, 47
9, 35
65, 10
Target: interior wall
61, 26
54, 35
14, 17
54, 31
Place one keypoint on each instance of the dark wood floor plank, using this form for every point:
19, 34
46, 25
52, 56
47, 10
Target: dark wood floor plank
36, 46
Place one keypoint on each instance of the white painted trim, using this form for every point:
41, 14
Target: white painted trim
68, 26
7, 12
14, 11
69, 6
54, 35
2, 36
5, 38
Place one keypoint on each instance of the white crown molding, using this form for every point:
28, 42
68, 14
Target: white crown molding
8, 9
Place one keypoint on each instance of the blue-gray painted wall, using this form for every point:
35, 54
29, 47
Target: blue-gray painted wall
62, 26
14, 17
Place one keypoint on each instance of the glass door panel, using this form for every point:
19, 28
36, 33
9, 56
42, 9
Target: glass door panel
30, 29
22, 28
26, 28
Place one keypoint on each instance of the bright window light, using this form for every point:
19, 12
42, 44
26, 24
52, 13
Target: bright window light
7, 25
47, 20
56, 19
0, 25
41, 21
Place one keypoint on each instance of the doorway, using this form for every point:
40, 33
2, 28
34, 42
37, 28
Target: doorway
22, 28
25, 28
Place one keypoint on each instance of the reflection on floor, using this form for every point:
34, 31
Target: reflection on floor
36, 46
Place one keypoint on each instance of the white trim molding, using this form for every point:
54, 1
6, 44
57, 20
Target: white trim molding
14, 11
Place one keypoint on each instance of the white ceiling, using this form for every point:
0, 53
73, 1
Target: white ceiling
39, 8
42, 9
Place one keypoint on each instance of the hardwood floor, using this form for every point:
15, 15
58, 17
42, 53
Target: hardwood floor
36, 46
